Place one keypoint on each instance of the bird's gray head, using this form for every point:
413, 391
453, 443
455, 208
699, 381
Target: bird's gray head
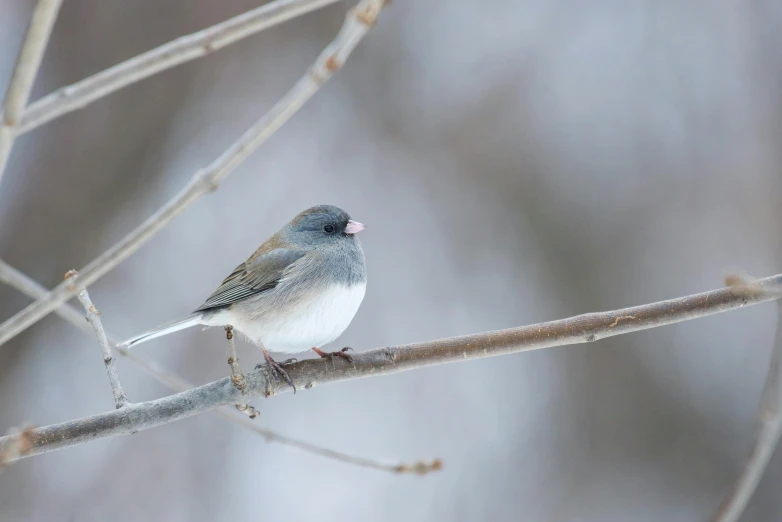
321, 225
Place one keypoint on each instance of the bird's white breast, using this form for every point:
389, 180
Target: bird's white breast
314, 322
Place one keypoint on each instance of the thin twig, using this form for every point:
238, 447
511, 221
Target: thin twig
767, 431
27, 65
384, 361
233, 361
93, 317
237, 377
16, 279
184, 49
358, 22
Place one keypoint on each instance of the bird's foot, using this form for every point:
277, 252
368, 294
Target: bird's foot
340, 353
277, 368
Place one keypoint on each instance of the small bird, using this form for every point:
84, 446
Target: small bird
299, 290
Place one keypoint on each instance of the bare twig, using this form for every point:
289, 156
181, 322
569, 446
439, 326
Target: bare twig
767, 432
233, 361
383, 361
358, 22
179, 51
237, 377
93, 317
20, 443
16, 279
27, 65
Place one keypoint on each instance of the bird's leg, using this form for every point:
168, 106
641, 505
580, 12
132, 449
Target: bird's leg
277, 369
339, 353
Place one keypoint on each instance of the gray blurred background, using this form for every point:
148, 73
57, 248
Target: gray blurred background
514, 162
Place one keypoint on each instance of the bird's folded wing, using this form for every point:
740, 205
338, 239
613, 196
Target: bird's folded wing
252, 277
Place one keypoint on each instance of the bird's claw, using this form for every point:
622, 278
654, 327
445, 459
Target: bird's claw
339, 353
277, 370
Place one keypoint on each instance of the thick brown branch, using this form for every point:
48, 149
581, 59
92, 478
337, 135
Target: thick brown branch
309, 373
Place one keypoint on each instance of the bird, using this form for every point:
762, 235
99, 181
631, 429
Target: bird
299, 290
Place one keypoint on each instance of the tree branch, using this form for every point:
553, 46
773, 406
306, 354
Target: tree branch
358, 22
383, 361
183, 49
16, 279
27, 65
767, 432
93, 317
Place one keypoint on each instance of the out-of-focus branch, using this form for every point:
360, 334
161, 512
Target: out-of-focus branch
383, 361
179, 51
358, 22
93, 317
27, 65
16, 279
767, 432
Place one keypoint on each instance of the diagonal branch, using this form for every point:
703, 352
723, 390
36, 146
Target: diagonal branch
26, 70
383, 361
183, 49
358, 22
767, 432
16, 279
93, 317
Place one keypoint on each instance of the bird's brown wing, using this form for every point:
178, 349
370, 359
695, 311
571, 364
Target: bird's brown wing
258, 274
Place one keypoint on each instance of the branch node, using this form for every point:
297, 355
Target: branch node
332, 64
206, 180
367, 14
20, 445
420, 468
248, 410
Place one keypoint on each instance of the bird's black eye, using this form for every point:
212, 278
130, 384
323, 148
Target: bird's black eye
328, 229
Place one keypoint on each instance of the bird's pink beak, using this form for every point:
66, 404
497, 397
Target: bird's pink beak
353, 227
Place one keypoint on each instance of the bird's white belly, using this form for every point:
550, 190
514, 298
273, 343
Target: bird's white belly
314, 323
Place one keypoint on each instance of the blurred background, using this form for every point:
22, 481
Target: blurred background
514, 163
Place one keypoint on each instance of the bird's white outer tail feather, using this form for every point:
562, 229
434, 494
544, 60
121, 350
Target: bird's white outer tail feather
162, 330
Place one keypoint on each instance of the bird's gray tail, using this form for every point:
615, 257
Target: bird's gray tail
162, 330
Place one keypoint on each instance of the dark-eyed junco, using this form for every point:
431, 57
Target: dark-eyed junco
299, 290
